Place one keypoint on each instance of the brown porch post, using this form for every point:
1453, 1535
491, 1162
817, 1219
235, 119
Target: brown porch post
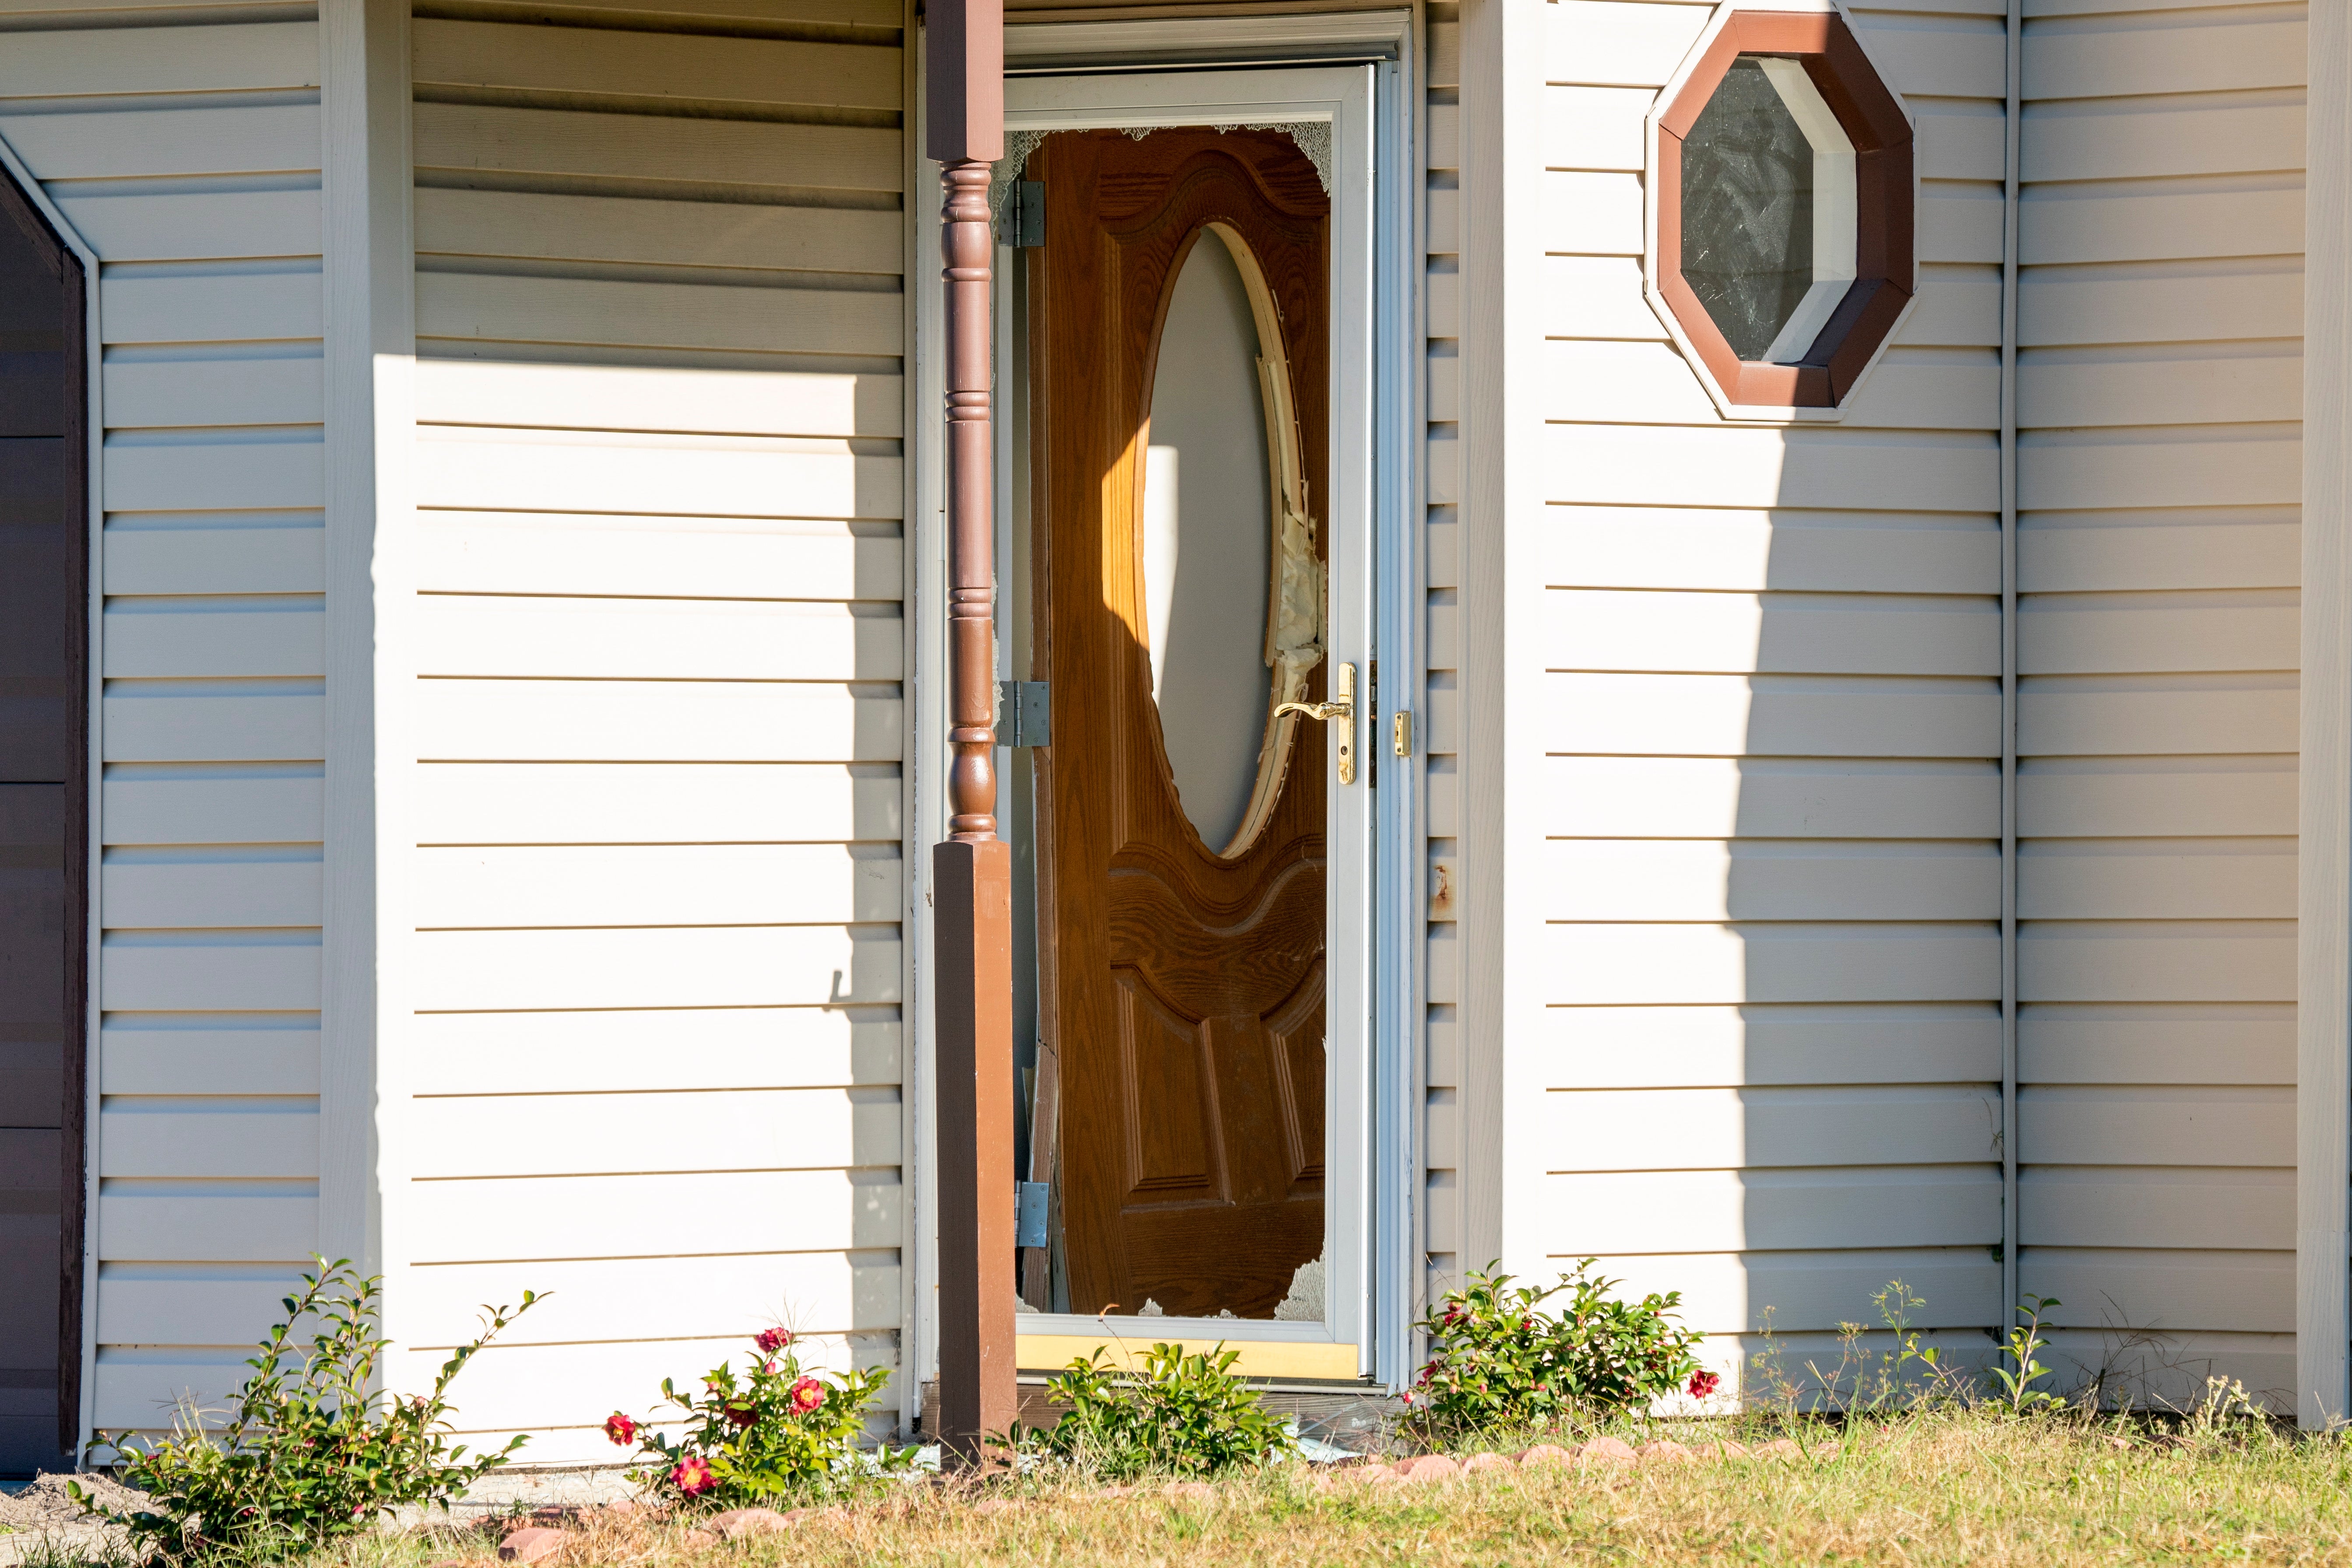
971, 870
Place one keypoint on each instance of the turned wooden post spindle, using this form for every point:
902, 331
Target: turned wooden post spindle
971, 868
971, 544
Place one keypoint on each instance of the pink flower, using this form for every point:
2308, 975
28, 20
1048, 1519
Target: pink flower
807, 1394
621, 1429
1703, 1383
693, 1477
770, 1341
741, 1415
769, 1367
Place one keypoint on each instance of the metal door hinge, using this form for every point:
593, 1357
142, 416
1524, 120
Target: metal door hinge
1024, 214
1029, 1214
1401, 733
1025, 713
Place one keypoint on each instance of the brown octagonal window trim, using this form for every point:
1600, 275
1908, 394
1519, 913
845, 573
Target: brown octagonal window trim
1838, 77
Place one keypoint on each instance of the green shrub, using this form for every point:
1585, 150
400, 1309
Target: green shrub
1183, 1414
1498, 1358
310, 1450
775, 1432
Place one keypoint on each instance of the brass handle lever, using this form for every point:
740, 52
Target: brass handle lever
1342, 708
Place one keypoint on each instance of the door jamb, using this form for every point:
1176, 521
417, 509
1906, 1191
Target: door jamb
1385, 1224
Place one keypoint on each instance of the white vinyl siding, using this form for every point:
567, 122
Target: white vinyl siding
1773, 735
187, 157
2159, 395
655, 1062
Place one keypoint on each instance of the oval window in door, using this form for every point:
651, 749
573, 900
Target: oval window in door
1233, 584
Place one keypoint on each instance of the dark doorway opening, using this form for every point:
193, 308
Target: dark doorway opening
43, 850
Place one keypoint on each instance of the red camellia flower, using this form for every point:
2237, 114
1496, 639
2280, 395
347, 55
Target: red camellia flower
1703, 1383
807, 1394
693, 1477
741, 1415
770, 1341
621, 1429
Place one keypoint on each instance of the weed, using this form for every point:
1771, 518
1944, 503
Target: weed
2226, 1411
311, 1450
1185, 1414
2024, 1342
1864, 1382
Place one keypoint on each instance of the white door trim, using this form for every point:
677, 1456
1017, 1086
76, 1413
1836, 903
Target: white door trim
1232, 40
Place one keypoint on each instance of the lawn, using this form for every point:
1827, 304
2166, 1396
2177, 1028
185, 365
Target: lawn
1924, 1489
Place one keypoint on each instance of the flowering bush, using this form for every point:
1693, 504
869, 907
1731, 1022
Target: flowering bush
1497, 1359
772, 1431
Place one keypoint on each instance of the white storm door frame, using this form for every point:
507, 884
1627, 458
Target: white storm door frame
1342, 96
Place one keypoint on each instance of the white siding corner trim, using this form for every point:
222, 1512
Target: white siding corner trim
2324, 859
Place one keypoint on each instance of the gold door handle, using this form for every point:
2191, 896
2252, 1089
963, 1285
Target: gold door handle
1341, 709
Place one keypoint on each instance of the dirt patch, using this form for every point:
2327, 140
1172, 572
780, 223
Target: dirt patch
47, 1505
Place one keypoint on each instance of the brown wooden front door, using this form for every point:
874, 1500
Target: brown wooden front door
1181, 987
44, 803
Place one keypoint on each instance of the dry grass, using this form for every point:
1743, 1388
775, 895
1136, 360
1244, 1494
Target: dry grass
1924, 1490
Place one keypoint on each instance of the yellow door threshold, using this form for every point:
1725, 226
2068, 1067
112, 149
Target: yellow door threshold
1279, 1359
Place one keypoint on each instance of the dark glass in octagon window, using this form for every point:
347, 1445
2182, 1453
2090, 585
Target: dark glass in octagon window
1748, 209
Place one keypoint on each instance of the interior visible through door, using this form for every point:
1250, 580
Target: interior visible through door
1177, 367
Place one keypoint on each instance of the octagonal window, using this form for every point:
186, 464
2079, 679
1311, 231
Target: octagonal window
1767, 209
1783, 205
